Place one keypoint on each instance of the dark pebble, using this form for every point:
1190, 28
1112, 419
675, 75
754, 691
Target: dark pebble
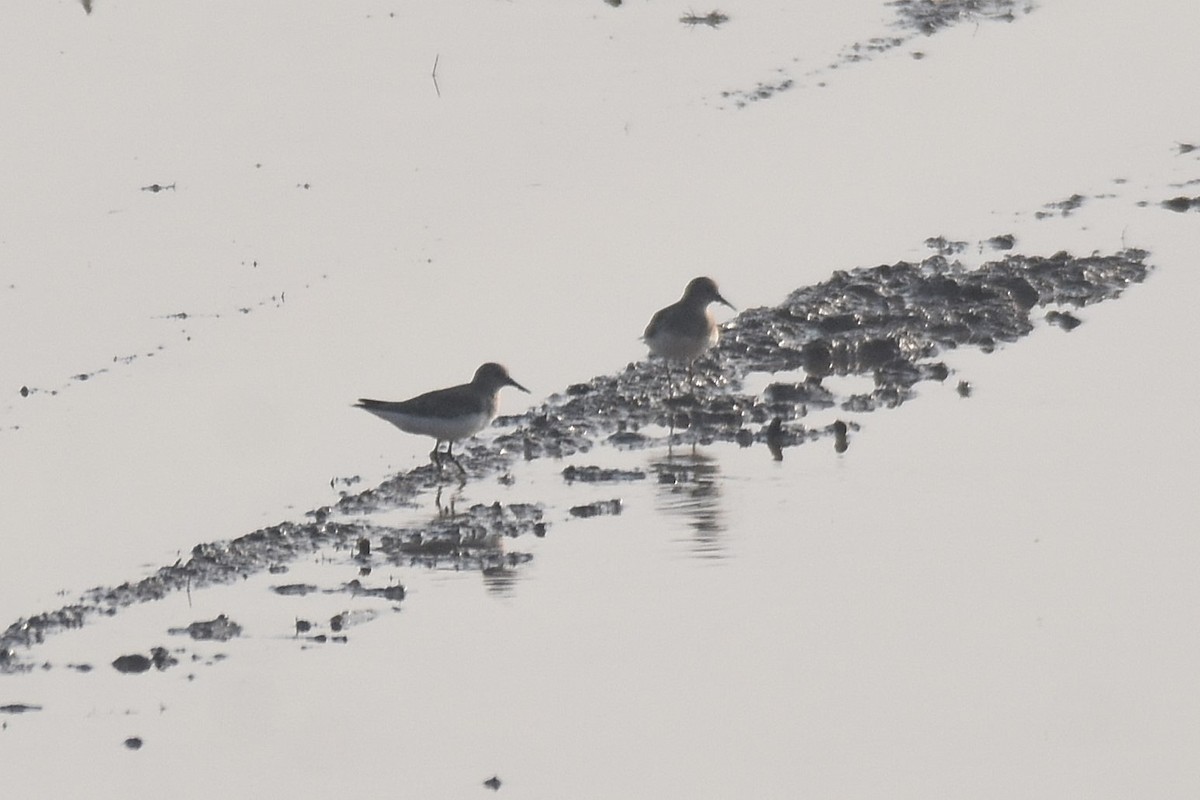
132, 664
1063, 319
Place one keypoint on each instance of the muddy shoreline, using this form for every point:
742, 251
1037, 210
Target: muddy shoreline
890, 323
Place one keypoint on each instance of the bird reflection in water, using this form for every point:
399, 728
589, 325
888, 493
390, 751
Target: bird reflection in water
459, 544
500, 579
777, 437
688, 486
840, 440
447, 510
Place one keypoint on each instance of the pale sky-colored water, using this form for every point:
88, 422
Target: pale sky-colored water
990, 597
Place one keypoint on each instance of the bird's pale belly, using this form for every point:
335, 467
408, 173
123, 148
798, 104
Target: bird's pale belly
680, 348
442, 428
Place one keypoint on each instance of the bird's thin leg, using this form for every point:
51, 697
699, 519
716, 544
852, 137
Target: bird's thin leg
670, 395
435, 455
453, 460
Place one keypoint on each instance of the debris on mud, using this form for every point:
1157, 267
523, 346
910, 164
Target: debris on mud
600, 475
221, 629
945, 247
348, 619
133, 743
774, 437
321, 638
128, 359
596, 509
930, 16
294, 589
712, 19
19, 708
394, 592
840, 439
347, 482
159, 658
1062, 207
1182, 204
762, 91
1063, 319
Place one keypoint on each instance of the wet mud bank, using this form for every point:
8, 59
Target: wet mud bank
890, 323
912, 19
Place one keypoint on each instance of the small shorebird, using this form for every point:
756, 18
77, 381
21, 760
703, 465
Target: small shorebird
448, 414
683, 331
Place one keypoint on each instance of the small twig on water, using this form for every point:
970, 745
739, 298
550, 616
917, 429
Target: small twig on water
712, 19
434, 75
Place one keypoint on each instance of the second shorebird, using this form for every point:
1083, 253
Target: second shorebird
684, 331
448, 414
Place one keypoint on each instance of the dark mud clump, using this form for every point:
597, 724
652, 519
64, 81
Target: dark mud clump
221, 629
394, 592
1063, 319
597, 509
295, 589
159, 658
601, 475
1063, 208
1182, 204
944, 246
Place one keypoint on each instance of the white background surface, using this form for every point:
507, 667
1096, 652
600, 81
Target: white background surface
992, 597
